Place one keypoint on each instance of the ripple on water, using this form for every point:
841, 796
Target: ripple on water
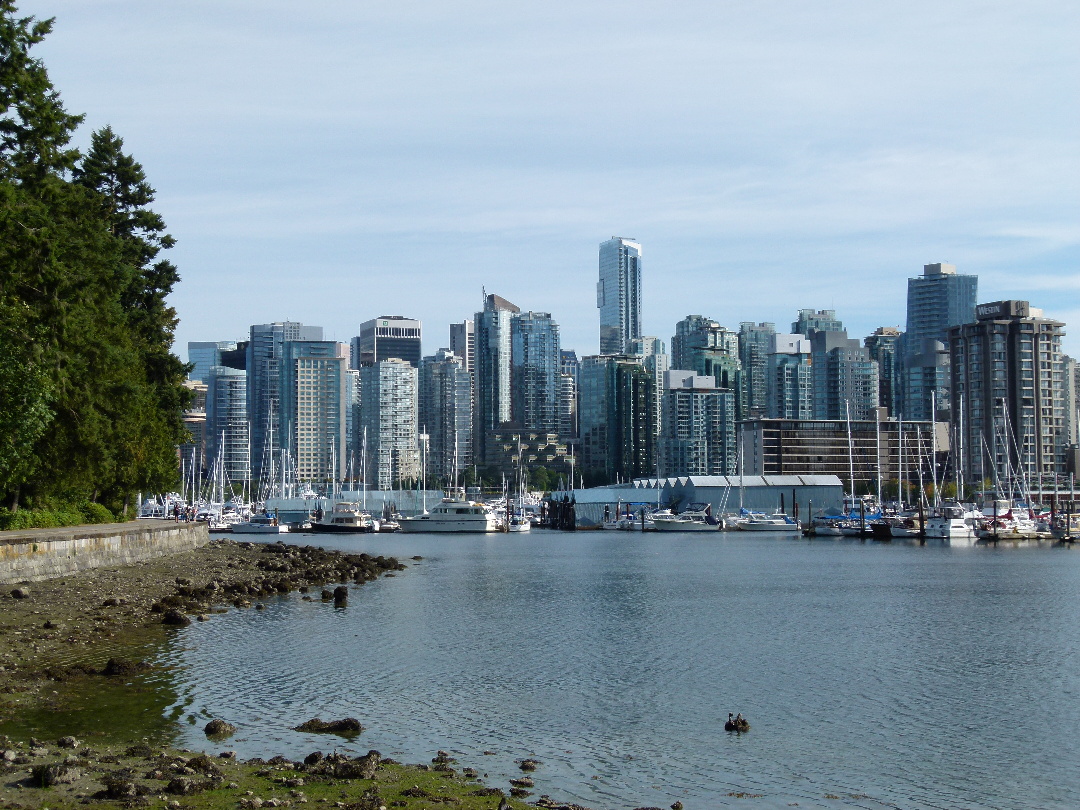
883, 675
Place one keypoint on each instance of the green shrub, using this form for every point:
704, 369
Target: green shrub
95, 513
57, 517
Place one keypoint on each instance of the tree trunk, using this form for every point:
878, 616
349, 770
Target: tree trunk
15, 499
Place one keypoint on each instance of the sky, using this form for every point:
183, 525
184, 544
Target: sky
333, 161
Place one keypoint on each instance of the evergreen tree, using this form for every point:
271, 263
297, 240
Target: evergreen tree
91, 396
35, 130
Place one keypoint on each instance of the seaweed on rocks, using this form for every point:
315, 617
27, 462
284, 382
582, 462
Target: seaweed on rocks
347, 725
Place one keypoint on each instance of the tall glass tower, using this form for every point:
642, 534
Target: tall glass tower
535, 356
936, 301
492, 405
618, 294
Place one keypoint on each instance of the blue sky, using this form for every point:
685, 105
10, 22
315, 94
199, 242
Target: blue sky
330, 162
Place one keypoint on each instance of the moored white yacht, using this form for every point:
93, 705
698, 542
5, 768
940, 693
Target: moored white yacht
260, 524
454, 514
952, 524
778, 522
697, 517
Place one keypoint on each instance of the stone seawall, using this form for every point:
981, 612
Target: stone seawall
33, 555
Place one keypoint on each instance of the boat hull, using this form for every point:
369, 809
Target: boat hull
241, 528
425, 524
331, 528
661, 525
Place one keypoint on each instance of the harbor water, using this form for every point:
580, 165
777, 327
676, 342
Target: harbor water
874, 675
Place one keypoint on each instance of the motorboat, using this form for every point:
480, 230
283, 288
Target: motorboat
453, 514
894, 527
826, 526
260, 524
776, 522
952, 524
697, 517
345, 518
519, 523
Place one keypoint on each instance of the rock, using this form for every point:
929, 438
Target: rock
349, 725
119, 786
219, 728
327, 595
523, 782
529, 764
519, 793
677, 806
360, 768
54, 773
341, 596
175, 618
202, 617
121, 666
204, 765
68, 742
227, 755
20, 593
183, 786
313, 758
8, 755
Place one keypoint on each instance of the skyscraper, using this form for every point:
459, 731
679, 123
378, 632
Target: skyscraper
698, 436
618, 434
936, 301
790, 393
654, 357
704, 346
463, 344
618, 294
492, 406
446, 413
227, 422
204, 355
568, 395
535, 358
1007, 390
885, 347
845, 377
821, 320
755, 345
388, 416
264, 352
385, 337
315, 407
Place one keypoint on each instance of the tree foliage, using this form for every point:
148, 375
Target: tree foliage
91, 396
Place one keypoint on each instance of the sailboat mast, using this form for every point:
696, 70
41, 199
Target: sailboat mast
877, 441
850, 451
900, 453
933, 444
960, 452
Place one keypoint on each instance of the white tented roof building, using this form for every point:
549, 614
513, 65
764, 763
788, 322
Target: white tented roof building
726, 494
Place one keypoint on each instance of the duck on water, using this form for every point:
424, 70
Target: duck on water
736, 723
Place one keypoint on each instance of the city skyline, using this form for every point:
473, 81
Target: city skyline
771, 159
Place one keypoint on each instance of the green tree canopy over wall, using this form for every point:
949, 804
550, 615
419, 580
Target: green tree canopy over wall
91, 396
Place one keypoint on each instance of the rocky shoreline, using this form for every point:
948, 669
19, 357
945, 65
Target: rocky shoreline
75, 632
61, 628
